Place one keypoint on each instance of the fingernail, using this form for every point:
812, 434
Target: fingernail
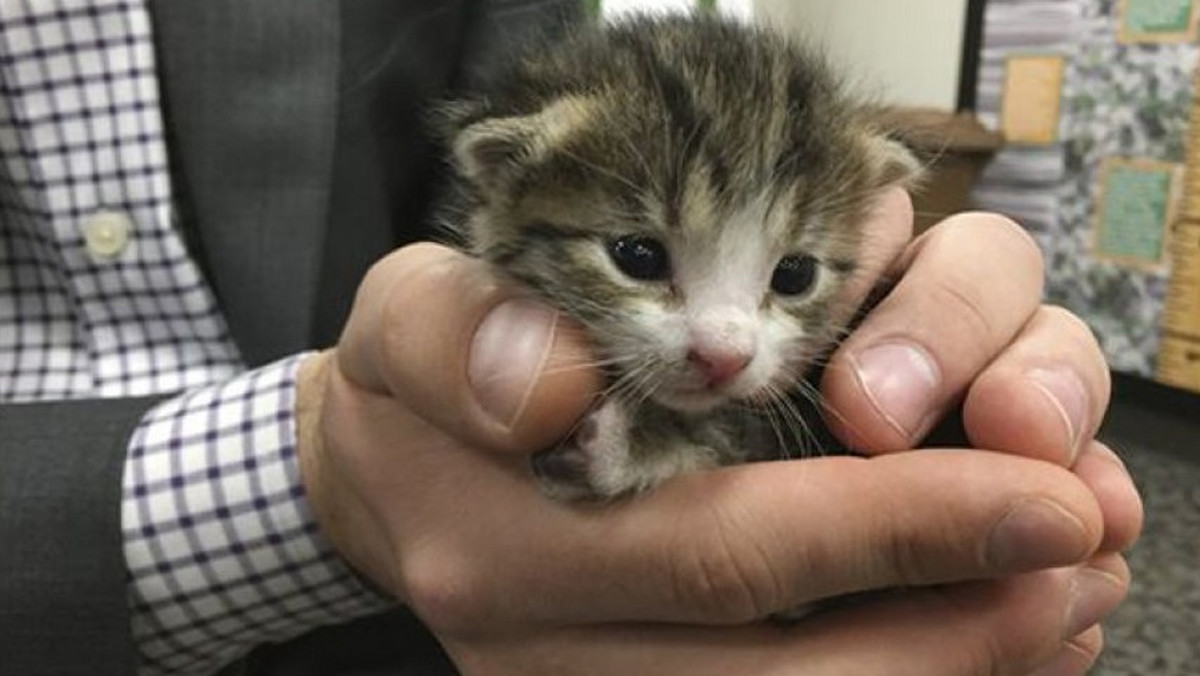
508, 353
901, 380
1066, 394
1035, 534
1094, 594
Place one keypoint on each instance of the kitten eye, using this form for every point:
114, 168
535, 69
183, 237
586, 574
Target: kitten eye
641, 258
794, 275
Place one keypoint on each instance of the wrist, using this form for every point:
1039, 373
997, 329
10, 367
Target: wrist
312, 379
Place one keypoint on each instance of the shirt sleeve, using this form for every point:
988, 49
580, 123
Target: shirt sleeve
222, 548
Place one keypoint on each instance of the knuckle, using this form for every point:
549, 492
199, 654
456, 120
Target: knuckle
1088, 645
1004, 232
1071, 327
904, 560
445, 591
402, 262
994, 238
978, 651
915, 556
724, 576
1016, 239
982, 657
963, 309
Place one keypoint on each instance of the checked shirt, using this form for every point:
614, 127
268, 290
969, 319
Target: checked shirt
99, 298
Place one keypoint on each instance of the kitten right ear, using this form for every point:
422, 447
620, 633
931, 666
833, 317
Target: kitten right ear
494, 152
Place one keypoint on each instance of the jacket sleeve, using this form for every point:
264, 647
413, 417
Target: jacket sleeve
62, 571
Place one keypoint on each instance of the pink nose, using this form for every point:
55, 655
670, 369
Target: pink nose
719, 366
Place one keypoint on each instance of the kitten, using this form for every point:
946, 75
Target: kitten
692, 191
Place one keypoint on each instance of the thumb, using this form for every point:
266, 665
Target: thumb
442, 334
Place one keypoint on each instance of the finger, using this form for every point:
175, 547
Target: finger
911, 520
1006, 626
916, 352
1104, 473
737, 544
442, 334
1045, 396
1076, 657
998, 627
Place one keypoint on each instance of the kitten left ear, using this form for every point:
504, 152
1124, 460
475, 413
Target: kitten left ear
892, 162
494, 152
490, 153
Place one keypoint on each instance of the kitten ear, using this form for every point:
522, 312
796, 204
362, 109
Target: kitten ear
892, 162
494, 152
491, 153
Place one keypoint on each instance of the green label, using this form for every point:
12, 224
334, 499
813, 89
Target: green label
1157, 16
1135, 209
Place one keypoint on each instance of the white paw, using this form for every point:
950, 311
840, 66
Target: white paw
586, 465
603, 460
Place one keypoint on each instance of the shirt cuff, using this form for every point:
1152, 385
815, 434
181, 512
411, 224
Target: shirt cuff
222, 548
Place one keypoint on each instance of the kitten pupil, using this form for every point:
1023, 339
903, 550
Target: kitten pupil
640, 258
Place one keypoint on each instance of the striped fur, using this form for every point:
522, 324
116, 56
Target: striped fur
729, 145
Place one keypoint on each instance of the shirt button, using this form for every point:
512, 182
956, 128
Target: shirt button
106, 234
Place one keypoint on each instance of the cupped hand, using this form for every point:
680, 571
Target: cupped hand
964, 325
415, 437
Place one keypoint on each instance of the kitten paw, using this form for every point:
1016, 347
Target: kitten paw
568, 471
603, 460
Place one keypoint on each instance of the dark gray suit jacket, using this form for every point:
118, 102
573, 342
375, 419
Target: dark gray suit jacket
295, 130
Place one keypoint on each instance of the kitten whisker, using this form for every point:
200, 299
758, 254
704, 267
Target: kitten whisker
798, 425
593, 365
633, 386
765, 405
813, 395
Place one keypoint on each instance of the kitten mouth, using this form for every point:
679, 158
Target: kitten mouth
693, 399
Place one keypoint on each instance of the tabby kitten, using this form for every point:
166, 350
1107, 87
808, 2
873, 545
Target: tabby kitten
693, 191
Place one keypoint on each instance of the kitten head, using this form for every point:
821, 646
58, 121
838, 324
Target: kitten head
691, 190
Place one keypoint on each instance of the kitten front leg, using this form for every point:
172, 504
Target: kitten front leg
612, 454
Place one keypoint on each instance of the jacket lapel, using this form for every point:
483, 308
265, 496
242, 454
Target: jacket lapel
250, 96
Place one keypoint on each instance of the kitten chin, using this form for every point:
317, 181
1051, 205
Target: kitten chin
692, 191
691, 401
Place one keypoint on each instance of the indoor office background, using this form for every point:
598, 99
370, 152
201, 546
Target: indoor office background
1097, 102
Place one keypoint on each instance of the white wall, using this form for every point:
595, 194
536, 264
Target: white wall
905, 52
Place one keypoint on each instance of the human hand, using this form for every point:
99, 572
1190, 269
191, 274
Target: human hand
965, 326
415, 439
